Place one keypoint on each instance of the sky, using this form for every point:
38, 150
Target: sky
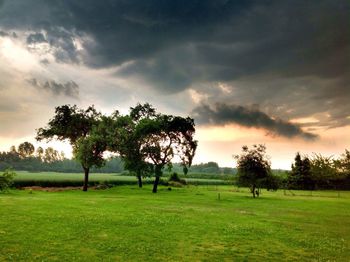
248, 72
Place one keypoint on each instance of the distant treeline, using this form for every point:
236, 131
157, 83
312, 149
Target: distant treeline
26, 157
308, 172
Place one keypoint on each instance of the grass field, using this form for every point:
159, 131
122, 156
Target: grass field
42, 177
185, 224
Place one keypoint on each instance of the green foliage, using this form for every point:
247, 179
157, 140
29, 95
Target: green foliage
343, 164
253, 167
25, 149
89, 152
323, 171
319, 172
6, 179
86, 130
273, 182
69, 123
174, 177
174, 180
301, 175
127, 142
165, 137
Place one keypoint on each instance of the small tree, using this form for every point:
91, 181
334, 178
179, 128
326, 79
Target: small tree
89, 152
127, 142
76, 126
253, 167
323, 171
301, 176
165, 137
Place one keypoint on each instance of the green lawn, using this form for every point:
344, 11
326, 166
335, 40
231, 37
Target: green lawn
126, 223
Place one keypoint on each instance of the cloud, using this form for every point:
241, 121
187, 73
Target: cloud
36, 38
290, 57
70, 88
223, 114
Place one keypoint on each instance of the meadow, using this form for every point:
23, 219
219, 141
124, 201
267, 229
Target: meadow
126, 223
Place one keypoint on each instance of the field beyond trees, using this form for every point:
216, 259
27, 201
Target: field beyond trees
184, 224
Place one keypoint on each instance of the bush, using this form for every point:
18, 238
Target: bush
272, 182
174, 177
6, 179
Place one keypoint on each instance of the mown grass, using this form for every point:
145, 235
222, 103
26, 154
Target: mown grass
126, 223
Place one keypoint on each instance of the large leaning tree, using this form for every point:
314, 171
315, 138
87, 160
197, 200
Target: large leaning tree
127, 142
253, 167
165, 137
82, 128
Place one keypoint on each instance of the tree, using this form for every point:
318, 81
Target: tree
343, 164
253, 167
40, 153
165, 137
323, 171
26, 149
50, 155
76, 125
128, 142
89, 152
300, 177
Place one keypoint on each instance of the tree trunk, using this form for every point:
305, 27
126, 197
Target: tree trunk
253, 189
86, 179
155, 184
158, 173
139, 179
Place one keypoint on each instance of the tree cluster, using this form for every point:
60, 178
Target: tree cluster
147, 141
320, 172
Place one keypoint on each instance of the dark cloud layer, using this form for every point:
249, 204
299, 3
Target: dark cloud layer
70, 88
291, 57
224, 114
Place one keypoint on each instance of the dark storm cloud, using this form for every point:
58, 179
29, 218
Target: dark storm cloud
36, 38
224, 114
70, 88
233, 38
175, 45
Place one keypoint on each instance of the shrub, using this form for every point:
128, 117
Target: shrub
6, 179
174, 177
